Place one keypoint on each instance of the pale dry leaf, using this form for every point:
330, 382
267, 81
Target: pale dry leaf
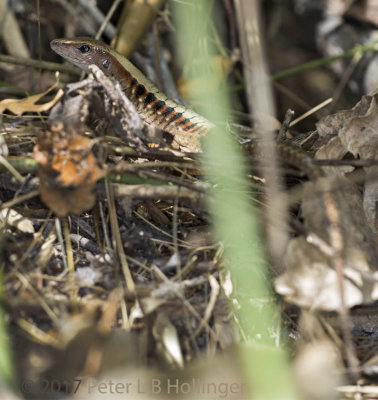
87, 276
135, 313
151, 304
20, 106
13, 218
310, 280
166, 335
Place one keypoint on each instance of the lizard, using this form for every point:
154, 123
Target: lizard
154, 107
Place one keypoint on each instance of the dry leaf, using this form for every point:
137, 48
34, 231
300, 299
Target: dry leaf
20, 106
68, 170
310, 280
87, 276
13, 218
356, 128
167, 340
355, 131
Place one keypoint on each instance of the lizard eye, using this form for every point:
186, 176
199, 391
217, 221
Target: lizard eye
84, 48
106, 63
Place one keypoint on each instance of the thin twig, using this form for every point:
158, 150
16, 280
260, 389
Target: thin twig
106, 25
118, 245
260, 101
372, 46
337, 242
312, 111
28, 62
109, 29
70, 261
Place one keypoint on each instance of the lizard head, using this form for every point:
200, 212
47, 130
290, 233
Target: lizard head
83, 52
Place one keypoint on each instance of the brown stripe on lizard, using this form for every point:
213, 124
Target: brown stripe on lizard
153, 106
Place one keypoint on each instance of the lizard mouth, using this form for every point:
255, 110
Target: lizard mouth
57, 45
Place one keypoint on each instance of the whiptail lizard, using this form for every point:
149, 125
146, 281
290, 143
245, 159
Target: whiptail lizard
153, 106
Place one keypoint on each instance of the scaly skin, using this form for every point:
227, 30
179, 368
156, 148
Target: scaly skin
153, 106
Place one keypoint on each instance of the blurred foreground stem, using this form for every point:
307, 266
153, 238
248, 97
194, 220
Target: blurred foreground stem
265, 364
6, 362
